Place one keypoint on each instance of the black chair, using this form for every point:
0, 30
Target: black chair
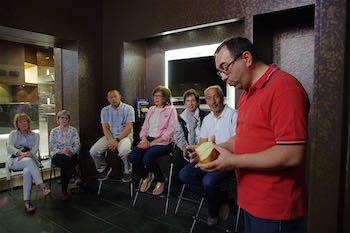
167, 195
114, 179
53, 170
200, 203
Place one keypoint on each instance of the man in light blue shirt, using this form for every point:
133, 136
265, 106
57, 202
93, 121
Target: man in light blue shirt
117, 124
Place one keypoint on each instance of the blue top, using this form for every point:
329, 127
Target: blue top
17, 141
118, 118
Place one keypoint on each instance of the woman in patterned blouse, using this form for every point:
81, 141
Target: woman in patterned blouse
64, 148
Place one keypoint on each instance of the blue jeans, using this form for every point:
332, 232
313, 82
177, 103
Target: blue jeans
205, 184
258, 225
144, 160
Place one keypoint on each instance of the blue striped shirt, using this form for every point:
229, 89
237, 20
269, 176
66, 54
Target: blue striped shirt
118, 118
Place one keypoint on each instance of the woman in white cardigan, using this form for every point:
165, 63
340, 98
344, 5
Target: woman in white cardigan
187, 127
22, 148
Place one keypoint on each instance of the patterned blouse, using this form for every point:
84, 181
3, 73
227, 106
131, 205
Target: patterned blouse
59, 140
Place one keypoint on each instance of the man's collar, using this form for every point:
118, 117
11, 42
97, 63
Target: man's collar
265, 77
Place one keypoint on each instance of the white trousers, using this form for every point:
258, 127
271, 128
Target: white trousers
30, 171
97, 153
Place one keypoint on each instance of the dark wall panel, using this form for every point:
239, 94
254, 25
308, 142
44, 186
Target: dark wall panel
134, 72
294, 53
328, 142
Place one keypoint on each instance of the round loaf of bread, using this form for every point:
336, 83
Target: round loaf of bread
206, 152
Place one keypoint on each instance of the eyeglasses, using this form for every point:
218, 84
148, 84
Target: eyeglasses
216, 96
224, 70
158, 96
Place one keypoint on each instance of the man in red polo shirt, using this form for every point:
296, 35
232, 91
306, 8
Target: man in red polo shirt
268, 151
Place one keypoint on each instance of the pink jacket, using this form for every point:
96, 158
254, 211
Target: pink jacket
166, 124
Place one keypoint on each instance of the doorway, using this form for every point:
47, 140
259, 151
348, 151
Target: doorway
35, 69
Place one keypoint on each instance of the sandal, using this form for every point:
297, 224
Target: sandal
159, 189
146, 183
46, 191
29, 207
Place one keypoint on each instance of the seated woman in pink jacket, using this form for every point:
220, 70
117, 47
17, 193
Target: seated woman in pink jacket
156, 140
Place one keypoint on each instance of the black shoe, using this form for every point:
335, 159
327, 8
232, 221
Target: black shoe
104, 175
127, 177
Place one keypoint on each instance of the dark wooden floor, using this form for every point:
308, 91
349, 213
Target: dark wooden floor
112, 211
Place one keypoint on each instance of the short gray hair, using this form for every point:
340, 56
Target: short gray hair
63, 113
218, 88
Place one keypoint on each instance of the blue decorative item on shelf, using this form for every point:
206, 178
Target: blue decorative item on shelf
142, 105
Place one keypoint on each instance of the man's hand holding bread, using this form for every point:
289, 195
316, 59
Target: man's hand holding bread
203, 153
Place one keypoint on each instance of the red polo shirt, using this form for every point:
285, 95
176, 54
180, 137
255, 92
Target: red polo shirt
273, 111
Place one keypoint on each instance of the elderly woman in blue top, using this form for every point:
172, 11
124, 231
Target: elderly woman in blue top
22, 148
64, 148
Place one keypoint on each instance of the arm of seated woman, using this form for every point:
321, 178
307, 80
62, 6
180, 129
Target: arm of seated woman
21, 155
67, 152
144, 143
28, 154
156, 141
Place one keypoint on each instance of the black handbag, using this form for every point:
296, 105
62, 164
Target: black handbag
22, 149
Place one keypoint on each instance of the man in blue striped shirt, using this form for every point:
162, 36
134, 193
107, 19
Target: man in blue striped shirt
117, 124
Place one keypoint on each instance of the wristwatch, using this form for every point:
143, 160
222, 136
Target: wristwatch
118, 140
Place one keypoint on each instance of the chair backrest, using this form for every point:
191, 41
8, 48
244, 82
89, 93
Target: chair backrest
8, 172
39, 159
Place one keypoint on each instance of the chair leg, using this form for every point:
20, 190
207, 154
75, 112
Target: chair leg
137, 193
237, 218
197, 214
99, 188
131, 188
54, 174
41, 171
10, 188
179, 199
169, 188
50, 177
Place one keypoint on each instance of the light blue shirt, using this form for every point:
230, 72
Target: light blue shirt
17, 141
118, 118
